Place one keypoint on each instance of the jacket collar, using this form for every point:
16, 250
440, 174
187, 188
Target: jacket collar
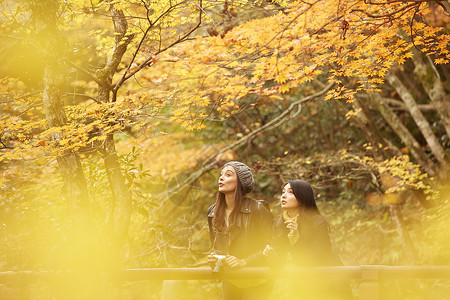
245, 207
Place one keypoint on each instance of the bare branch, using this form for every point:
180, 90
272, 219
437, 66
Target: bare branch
82, 95
386, 15
148, 61
24, 96
138, 48
90, 74
210, 162
399, 105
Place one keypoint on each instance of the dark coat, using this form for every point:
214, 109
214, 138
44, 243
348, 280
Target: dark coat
247, 238
313, 248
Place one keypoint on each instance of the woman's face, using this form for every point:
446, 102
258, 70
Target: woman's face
227, 180
288, 200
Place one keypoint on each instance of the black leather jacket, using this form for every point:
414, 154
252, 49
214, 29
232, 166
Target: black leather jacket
313, 247
248, 237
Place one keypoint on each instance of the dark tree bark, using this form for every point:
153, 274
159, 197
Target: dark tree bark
52, 49
372, 133
120, 191
121, 195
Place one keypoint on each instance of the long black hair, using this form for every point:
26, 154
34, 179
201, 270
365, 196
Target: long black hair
305, 196
308, 208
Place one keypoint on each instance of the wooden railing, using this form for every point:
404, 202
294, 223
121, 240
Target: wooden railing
367, 277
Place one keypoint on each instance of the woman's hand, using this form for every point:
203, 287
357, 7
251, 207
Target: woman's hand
270, 254
291, 225
235, 262
269, 251
293, 234
212, 259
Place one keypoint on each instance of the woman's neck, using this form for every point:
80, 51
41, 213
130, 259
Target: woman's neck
292, 212
229, 200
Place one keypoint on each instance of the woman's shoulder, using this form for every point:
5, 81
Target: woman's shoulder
319, 225
256, 204
319, 220
258, 207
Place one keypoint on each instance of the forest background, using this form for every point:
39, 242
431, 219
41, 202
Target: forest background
116, 117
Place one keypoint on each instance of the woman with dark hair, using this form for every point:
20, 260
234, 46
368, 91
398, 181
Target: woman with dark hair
301, 234
239, 228
301, 229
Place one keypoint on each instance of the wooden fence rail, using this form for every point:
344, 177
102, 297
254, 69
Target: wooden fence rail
368, 277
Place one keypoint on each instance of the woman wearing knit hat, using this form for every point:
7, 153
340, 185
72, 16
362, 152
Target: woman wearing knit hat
239, 228
303, 233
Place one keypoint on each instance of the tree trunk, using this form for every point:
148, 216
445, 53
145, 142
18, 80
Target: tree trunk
52, 49
419, 118
403, 233
122, 201
370, 130
120, 191
431, 81
403, 133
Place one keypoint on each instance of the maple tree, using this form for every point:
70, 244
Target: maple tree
292, 48
56, 30
264, 71
236, 74
354, 45
74, 113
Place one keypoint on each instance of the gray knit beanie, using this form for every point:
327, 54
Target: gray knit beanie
244, 174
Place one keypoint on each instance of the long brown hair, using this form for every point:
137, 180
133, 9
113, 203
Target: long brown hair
221, 206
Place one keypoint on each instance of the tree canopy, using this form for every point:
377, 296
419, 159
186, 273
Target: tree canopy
116, 116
